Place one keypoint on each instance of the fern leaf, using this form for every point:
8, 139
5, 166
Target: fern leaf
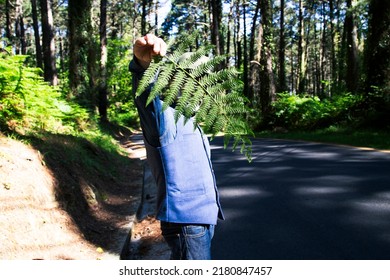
202, 92
174, 90
164, 78
148, 78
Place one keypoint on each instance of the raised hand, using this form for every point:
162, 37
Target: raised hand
148, 46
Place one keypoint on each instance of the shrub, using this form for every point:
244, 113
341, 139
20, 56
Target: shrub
309, 112
28, 103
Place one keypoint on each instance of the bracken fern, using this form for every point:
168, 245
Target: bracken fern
205, 93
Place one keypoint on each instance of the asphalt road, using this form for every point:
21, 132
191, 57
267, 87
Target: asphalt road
302, 201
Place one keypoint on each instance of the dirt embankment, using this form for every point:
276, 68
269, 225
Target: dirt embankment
36, 222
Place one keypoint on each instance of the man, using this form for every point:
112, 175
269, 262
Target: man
179, 156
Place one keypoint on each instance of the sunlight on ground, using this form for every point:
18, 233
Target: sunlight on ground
32, 226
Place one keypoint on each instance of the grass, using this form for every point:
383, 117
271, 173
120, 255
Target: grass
375, 139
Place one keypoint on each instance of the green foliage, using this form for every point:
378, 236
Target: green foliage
210, 97
309, 112
122, 109
28, 103
375, 108
10, 95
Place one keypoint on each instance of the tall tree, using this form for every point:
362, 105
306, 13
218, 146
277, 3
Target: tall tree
20, 44
103, 102
267, 84
302, 58
37, 37
245, 52
377, 53
79, 12
333, 45
48, 42
282, 51
216, 19
352, 75
253, 80
8, 27
237, 35
230, 27
144, 11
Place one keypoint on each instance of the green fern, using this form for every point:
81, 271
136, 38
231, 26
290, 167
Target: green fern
211, 96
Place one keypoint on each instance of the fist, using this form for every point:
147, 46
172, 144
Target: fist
148, 46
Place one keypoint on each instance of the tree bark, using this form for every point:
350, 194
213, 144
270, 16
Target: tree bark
229, 31
377, 54
302, 62
8, 28
237, 37
216, 35
20, 40
267, 84
38, 47
78, 20
352, 75
253, 63
333, 68
103, 101
245, 56
282, 51
48, 39
143, 17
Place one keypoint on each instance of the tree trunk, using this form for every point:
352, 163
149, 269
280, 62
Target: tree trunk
103, 101
78, 18
282, 51
352, 75
48, 42
20, 42
143, 17
237, 38
8, 28
267, 85
333, 68
156, 16
229, 31
378, 48
38, 48
245, 57
301, 82
216, 35
253, 63
323, 57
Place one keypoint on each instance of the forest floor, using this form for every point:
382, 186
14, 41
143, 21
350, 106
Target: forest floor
53, 209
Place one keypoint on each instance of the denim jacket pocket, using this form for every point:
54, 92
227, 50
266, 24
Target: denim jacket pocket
184, 166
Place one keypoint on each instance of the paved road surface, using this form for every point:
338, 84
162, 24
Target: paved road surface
300, 200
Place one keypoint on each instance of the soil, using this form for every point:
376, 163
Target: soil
147, 242
51, 210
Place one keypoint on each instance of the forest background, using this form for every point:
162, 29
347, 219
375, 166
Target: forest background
309, 69
304, 64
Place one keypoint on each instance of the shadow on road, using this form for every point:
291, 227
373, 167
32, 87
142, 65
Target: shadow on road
300, 200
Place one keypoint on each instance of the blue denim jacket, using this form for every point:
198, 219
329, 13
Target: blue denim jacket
180, 163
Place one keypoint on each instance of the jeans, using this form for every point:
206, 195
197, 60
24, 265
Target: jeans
188, 242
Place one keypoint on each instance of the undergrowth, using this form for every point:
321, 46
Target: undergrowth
31, 108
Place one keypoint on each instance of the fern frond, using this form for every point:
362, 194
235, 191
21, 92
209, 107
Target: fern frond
164, 78
148, 77
201, 92
174, 89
